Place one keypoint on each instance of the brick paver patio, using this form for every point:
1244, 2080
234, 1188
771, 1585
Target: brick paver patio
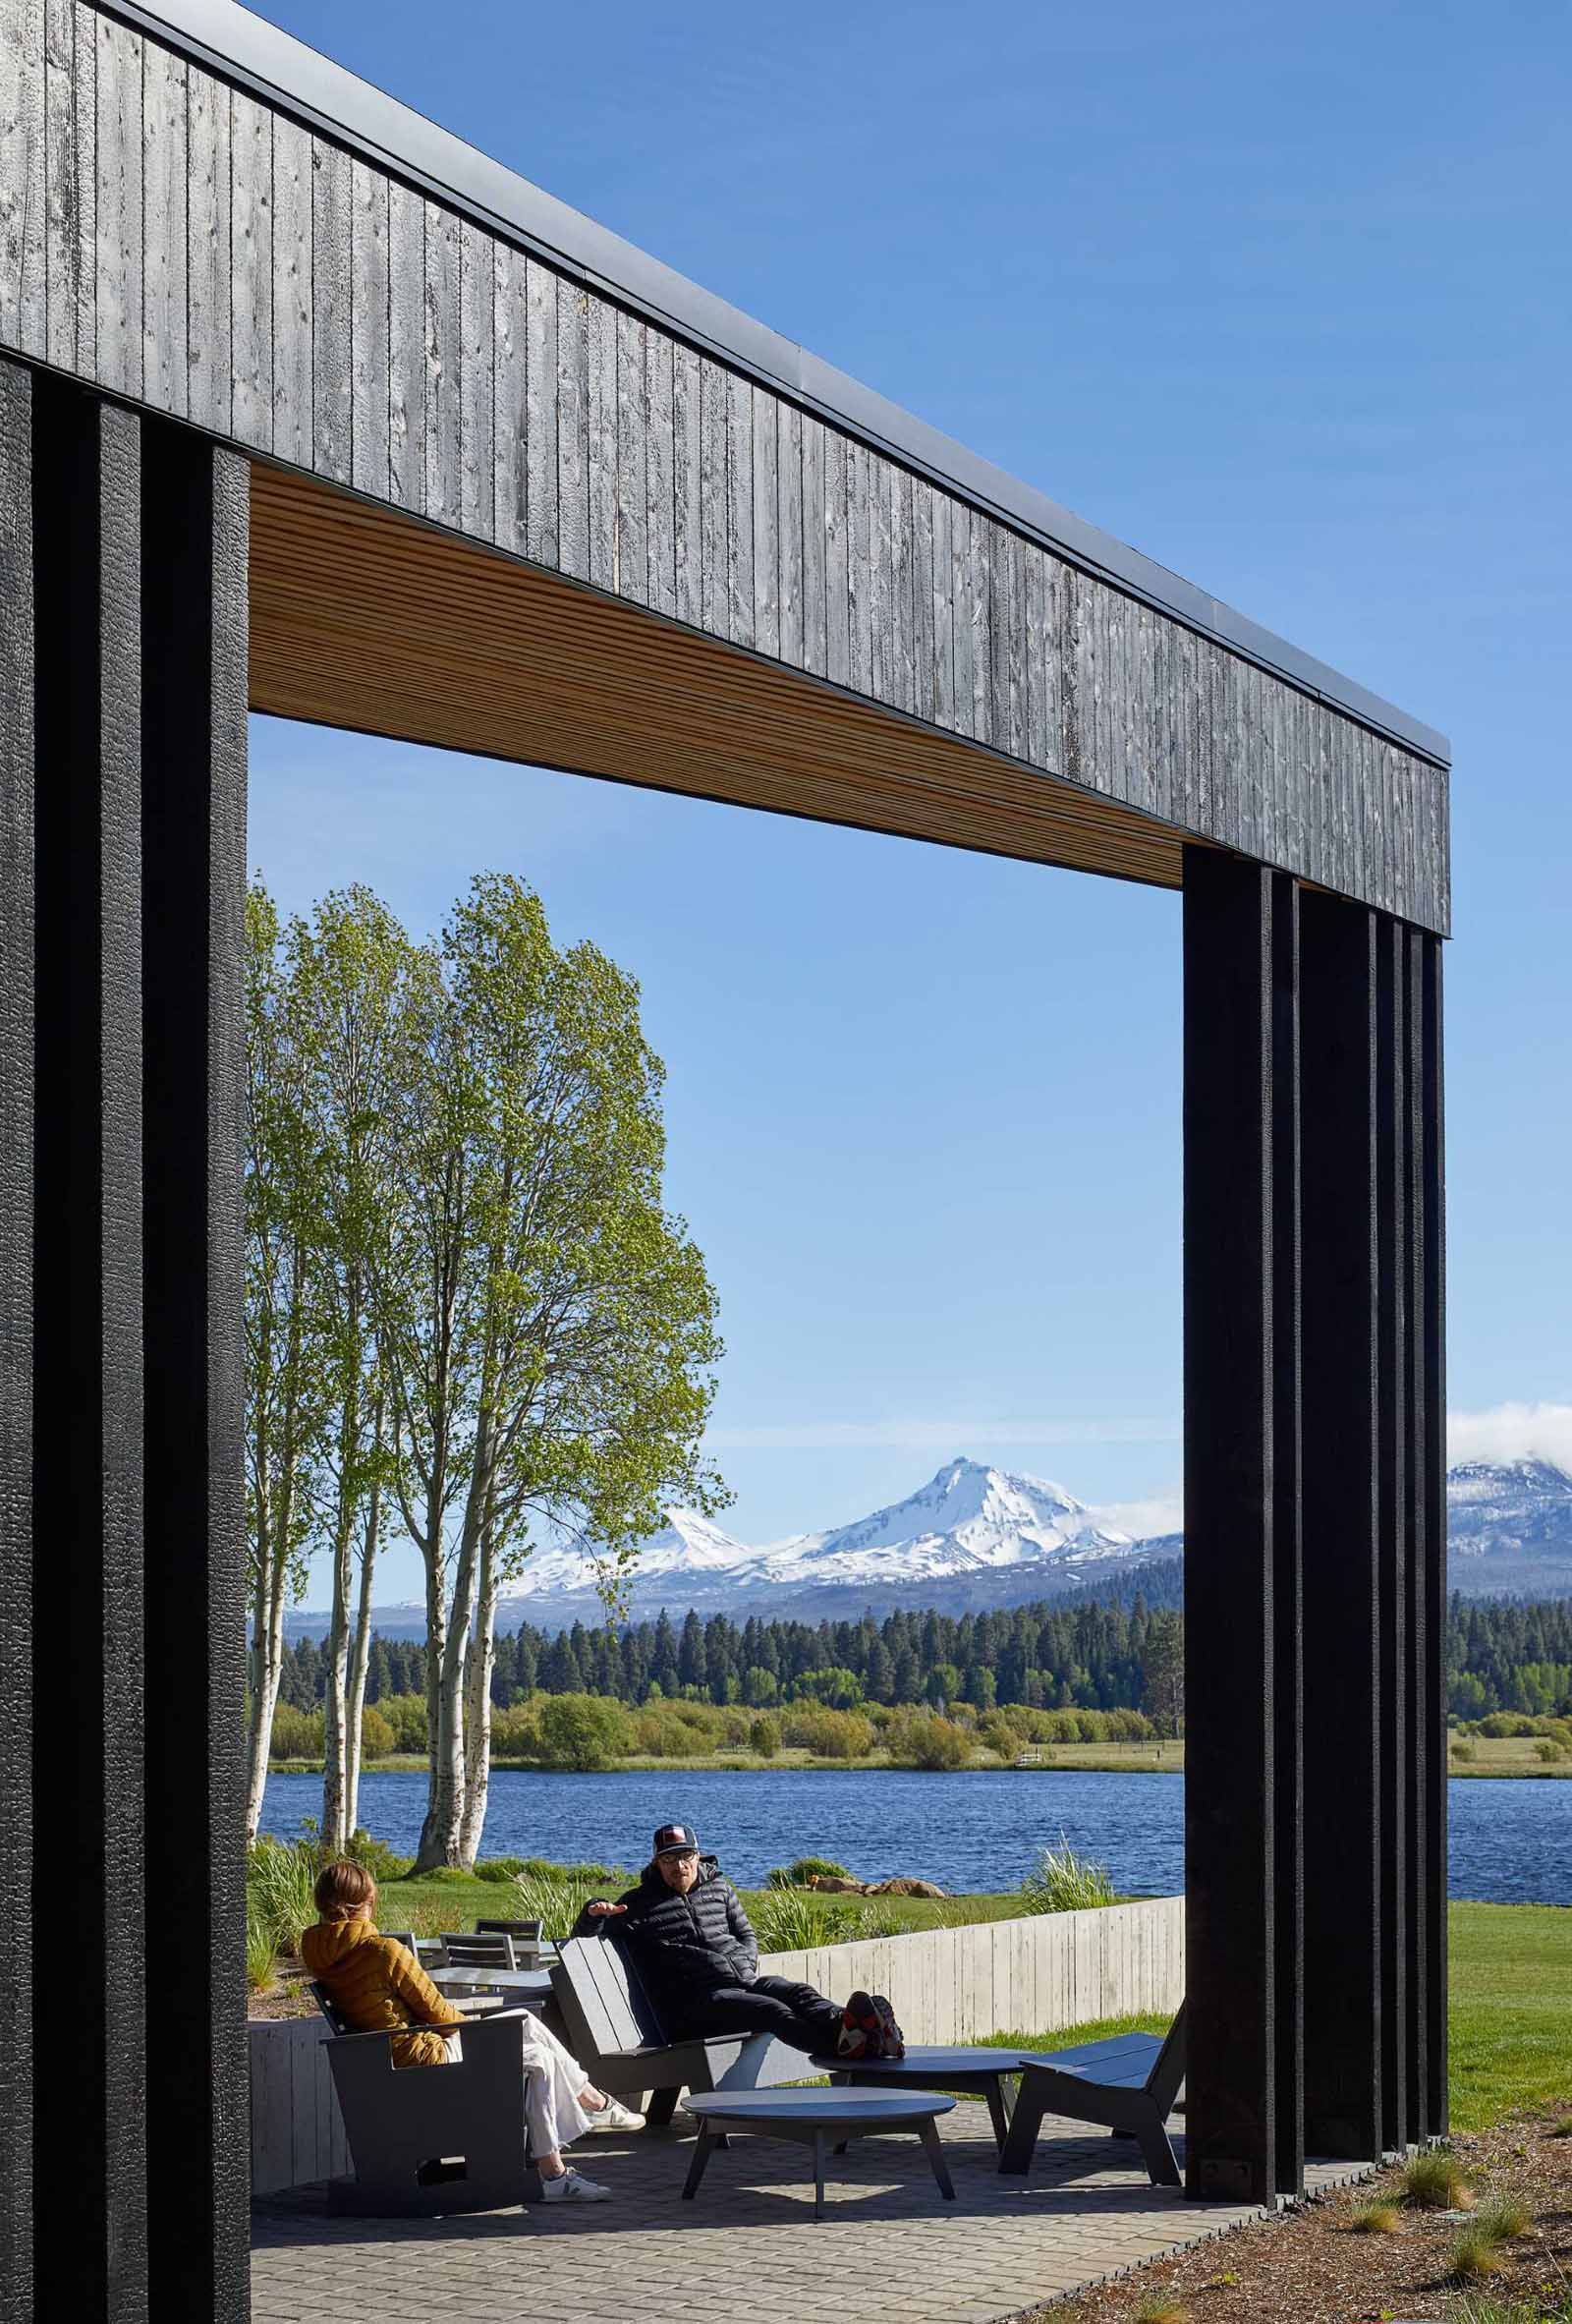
749, 2247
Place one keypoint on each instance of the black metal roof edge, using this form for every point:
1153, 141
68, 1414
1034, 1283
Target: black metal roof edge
243, 48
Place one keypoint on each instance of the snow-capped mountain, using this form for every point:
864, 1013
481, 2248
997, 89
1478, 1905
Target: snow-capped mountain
975, 1537
1509, 1529
966, 1519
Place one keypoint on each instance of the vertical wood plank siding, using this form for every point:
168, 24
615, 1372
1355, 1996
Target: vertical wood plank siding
175, 242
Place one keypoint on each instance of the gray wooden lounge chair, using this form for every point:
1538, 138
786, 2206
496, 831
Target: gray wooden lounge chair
613, 2030
429, 2140
1130, 2084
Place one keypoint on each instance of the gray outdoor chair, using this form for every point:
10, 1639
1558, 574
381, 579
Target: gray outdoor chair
613, 2030
430, 2140
481, 1948
1130, 2084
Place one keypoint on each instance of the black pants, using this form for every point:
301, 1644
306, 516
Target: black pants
794, 2014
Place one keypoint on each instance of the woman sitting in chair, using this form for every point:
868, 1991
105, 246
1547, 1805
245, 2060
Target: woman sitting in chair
377, 1985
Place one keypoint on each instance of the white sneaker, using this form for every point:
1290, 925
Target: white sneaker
614, 2116
574, 2188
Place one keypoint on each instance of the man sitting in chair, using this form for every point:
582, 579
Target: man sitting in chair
376, 1983
688, 1935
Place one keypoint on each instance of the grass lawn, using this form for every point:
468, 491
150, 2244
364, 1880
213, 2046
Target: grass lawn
450, 1902
1512, 2009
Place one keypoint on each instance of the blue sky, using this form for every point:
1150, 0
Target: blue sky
1281, 297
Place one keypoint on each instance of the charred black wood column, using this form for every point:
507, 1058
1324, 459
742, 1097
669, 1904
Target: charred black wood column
91, 2092
1241, 1469
122, 792
17, 642
1427, 1337
1314, 1817
196, 513
1348, 1235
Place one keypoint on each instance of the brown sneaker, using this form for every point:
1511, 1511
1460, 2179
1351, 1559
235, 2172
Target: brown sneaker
889, 2042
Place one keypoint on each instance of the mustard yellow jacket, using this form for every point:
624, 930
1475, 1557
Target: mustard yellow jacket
378, 1985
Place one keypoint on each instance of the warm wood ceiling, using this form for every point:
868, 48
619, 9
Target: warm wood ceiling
365, 618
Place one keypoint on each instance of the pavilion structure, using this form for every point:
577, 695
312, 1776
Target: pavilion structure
306, 407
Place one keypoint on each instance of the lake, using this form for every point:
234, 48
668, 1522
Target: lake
1511, 1841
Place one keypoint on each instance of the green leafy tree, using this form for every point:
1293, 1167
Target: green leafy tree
287, 1370
347, 967
556, 1367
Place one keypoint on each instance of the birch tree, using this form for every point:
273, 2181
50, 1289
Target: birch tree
582, 1331
345, 969
285, 1371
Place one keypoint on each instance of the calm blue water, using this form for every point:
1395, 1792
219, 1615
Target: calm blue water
1511, 1842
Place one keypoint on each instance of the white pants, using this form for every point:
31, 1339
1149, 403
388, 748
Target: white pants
552, 2081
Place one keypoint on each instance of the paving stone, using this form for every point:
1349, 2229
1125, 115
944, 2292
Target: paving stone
888, 2249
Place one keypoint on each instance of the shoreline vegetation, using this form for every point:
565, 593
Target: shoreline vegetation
1518, 1757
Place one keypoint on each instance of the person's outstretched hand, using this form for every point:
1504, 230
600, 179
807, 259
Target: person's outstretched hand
599, 1910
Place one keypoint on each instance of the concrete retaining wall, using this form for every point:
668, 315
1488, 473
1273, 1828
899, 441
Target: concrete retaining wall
1027, 1976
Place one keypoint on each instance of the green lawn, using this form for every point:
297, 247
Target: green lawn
451, 1902
1510, 1976
1511, 2009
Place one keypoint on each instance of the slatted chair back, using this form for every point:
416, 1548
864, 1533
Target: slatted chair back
1168, 2075
337, 2022
617, 2013
486, 1949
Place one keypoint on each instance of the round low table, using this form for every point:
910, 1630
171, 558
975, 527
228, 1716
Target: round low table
934, 2068
818, 2119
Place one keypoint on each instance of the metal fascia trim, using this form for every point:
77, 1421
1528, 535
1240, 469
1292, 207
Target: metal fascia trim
242, 46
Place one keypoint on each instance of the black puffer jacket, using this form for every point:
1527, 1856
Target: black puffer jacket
682, 1945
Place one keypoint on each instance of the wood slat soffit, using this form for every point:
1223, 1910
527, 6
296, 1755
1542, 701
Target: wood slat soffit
703, 584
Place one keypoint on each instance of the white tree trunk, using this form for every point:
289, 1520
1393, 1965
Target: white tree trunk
360, 1655
336, 1825
477, 1712
268, 1660
440, 1832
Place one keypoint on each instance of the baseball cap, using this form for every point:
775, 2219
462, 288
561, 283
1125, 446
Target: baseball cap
670, 1839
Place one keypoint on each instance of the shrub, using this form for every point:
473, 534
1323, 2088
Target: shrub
378, 1857
378, 1739
494, 1871
1000, 1736
788, 1920
803, 1869
1474, 2254
923, 1739
554, 1897
829, 1735
763, 1737
581, 1732
1464, 1751
261, 1956
1548, 1751
1374, 2219
516, 1733
1434, 2182
297, 1735
1064, 1882
1161, 2306
1505, 2218
279, 1880
406, 1716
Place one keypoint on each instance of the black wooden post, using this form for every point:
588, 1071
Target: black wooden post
17, 634
90, 2092
1429, 1329
122, 594
1242, 1457
1344, 1247
195, 539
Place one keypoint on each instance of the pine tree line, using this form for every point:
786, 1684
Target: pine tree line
1090, 1656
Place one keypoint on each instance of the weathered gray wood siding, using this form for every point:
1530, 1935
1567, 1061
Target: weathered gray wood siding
181, 244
